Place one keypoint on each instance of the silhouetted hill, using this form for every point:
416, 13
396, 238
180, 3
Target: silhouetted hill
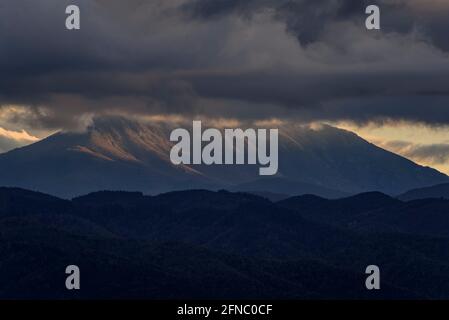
438, 191
272, 196
376, 212
109, 197
422, 217
368, 201
16, 201
287, 186
340, 211
204, 244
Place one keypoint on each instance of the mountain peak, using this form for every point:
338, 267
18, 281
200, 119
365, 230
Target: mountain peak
115, 153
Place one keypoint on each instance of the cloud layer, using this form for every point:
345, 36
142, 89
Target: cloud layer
249, 59
13, 139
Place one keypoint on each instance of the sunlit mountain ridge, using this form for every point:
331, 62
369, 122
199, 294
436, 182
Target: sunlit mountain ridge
115, 153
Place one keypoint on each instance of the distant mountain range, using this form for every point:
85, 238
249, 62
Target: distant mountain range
438, 191
119, 154
203, 244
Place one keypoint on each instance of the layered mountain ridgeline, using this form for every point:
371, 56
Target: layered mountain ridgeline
120, 154
203, 244
438, 191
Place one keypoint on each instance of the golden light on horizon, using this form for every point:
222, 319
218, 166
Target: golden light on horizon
18, 135
406, 139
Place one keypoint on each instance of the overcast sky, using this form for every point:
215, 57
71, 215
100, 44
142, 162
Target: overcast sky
301, 60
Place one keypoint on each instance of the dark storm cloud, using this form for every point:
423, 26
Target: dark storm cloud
307, 19
306, 59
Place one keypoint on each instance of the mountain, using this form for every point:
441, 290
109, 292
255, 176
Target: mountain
119, 154
199, 244
112, 154
339, 212
287, 186
375, 212
438, 191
